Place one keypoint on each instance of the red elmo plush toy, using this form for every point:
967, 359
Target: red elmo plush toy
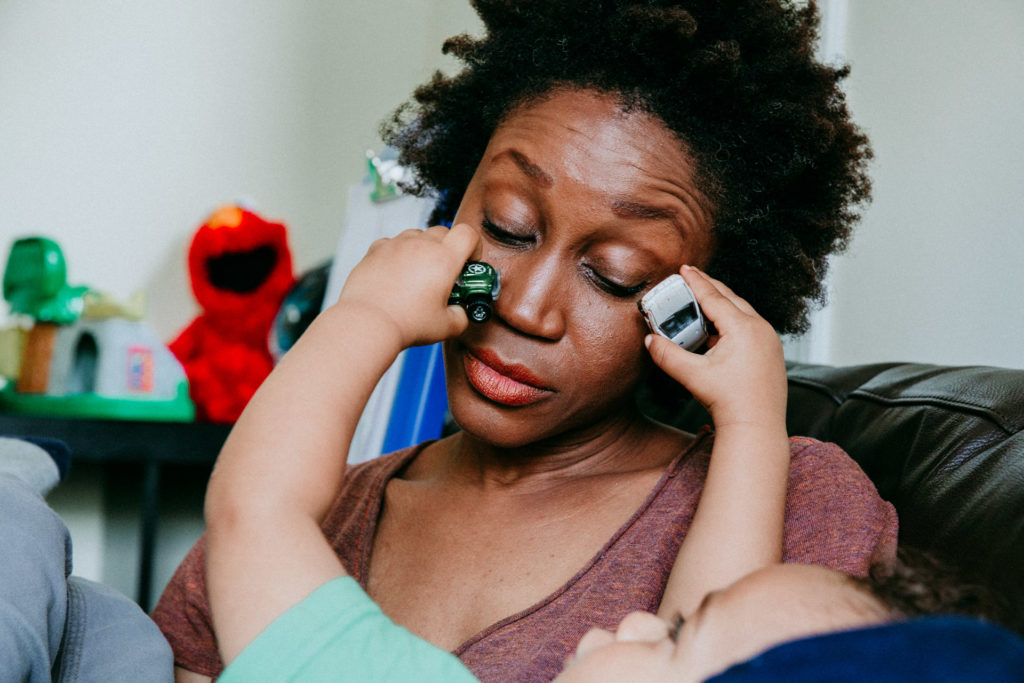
241, 270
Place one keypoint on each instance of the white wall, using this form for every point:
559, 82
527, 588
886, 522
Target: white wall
934, 273
123, 124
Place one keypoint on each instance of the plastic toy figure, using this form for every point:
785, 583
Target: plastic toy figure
476, 290
241, 269
36, 286
85, 354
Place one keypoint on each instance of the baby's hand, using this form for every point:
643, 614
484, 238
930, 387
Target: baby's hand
409, 277
741, 379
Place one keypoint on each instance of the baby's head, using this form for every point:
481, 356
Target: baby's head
779, 603
782, 604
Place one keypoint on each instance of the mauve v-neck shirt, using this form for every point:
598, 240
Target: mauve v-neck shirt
834, 518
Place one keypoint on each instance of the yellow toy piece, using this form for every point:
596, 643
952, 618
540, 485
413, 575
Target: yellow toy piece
12, 349
101, 305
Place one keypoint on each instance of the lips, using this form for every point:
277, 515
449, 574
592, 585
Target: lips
510, 385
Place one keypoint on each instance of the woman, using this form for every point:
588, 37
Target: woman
266, 555
595, 147
298, 616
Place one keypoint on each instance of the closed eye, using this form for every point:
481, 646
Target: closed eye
675, 626
522, 237
614, 288
504, 236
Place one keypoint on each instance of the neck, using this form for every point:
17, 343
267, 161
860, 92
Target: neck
626, 444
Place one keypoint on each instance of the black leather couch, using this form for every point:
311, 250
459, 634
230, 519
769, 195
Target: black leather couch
944, 444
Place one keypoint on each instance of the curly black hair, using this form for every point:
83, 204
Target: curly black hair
736, 81
916, 583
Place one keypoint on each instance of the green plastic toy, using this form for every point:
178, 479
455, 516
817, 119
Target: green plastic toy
35, 282
106, 364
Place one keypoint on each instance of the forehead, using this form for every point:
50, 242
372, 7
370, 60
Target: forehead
814, 595
588, 143
595, 127
794, 580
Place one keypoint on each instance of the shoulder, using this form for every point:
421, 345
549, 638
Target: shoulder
183, 615
351, 521
834, 514
367, 480
183, 612
818, 468
386, 465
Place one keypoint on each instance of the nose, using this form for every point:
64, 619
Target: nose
534, 294
641, 627
593, 640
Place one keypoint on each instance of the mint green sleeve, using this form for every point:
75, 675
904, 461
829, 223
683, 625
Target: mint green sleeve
339, 634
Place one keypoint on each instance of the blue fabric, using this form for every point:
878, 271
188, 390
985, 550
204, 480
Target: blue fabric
33, 569
921, 650
421, 401
57, 449
56, 627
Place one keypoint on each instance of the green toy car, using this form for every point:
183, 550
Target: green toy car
476, 289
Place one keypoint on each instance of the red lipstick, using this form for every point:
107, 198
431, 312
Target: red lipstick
510, 385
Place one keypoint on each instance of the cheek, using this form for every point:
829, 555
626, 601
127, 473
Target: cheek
610, 339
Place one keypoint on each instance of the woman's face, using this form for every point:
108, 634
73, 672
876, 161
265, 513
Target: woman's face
581, 207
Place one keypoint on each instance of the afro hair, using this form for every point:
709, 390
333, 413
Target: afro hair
735, 80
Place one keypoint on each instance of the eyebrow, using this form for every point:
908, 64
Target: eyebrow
530, 169
625, 208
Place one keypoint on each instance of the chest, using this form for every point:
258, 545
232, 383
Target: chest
448, 568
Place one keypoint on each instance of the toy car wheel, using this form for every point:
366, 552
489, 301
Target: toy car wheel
479, 309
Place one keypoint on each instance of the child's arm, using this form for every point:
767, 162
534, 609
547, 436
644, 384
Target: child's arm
741, 380
284, 461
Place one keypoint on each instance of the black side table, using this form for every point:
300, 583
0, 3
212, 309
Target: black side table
153, 444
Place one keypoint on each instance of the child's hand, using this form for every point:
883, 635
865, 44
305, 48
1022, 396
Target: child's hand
741, 379
409, 277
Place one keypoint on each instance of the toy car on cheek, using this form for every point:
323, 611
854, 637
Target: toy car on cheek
671, 310
476, 289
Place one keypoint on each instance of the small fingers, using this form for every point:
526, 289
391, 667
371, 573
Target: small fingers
593, 640
457, 319
414, 233
715, 298
715, 304
464, 240
399, 239
677, 362
436, 233
641, 627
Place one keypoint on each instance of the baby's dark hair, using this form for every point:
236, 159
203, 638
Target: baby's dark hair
777, 157
917, 584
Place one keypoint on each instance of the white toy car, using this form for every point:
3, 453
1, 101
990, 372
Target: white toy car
671, 310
